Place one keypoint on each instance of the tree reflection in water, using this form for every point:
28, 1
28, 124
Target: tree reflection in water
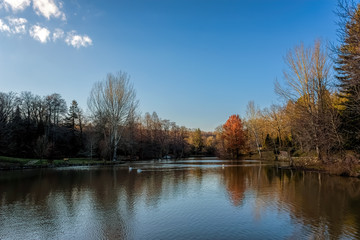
177, 199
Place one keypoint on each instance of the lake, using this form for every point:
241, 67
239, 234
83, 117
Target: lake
178, 199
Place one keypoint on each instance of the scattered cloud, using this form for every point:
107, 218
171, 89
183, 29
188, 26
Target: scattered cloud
40, 34
13, 25
15, 5
57, 34
17, 25
48, 9
17, 21
4, 27
77, 41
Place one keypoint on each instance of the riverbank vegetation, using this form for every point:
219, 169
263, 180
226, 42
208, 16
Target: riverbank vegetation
35, 127
12, 163
317, 125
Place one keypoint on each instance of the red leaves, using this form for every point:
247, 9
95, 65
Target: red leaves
233, 134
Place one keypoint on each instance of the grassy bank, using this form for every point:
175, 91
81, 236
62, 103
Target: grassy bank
340, 168
10, 163
311, 163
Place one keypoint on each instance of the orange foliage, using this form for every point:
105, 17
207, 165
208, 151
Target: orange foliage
234, 136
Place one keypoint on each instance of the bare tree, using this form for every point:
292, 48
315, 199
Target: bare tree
7, 106
307, 87
113, 103
7, 109
252, 117
56, 108
26, 99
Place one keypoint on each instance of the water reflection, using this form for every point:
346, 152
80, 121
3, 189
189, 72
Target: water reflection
178, 199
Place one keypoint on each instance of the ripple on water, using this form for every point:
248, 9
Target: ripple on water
178, 200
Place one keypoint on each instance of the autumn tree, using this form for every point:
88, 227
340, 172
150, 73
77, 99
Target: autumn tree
158, 137
219, 141
210, 144
275, 125
233, 135
307, 88
112, 103
253, 116
197, 141
177, 143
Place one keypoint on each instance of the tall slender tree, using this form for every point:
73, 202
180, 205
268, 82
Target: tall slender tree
113, 103
348, 73
307, 88
252, 119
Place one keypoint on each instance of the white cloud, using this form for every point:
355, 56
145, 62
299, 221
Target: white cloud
17, 21
48, 9
57, 34
17, 25
15, 5
77, 41
4, 27
40, 34
13, 25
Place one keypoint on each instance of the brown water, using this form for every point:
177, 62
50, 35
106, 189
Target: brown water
187, 199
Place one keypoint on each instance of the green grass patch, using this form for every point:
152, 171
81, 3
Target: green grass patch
15, 160
44, 162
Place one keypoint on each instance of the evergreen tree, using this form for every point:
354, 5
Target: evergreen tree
72, 115
74, 122
348, 74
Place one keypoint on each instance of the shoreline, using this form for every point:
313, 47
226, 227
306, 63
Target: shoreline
5, 166
310, 164
331, 169
13, 164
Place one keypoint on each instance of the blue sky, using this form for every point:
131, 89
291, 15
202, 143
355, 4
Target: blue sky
194, 62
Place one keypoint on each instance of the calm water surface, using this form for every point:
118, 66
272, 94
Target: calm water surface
184, 199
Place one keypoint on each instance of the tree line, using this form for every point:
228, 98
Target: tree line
32, 126
320, 116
